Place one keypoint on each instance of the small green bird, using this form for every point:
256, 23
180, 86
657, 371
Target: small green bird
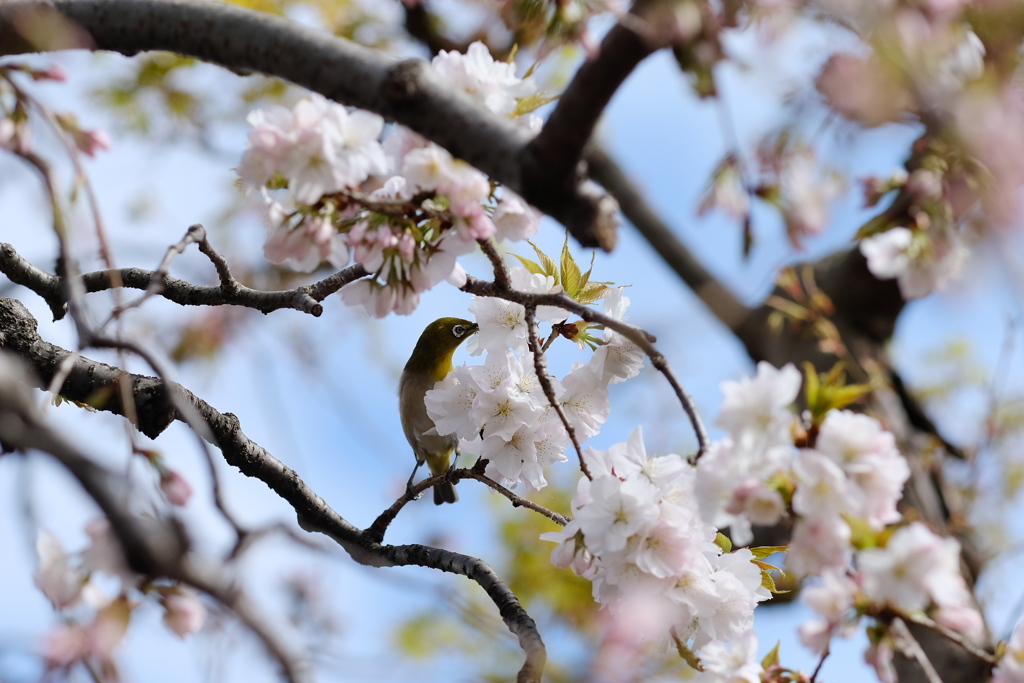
430, 362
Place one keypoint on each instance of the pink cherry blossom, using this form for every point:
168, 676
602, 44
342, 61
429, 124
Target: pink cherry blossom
56, 576
184, 612
176, 488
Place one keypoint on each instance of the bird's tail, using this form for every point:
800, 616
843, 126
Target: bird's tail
445, 493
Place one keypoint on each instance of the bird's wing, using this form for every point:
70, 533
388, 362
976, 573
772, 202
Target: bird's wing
415, 421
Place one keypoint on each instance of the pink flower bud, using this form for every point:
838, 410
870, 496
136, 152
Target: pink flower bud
175, 488
184, 613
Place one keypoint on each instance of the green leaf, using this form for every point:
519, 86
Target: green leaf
723, 542
851, 393
772, 658
686, 654
768, 583
595, 291
586, 275
764, 551
572, 278
527, 105
767, 580
829, 391
531, 266
547, 263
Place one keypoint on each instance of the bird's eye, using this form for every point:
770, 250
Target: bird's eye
458, 330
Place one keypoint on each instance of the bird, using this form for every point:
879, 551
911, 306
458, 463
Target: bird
429, 363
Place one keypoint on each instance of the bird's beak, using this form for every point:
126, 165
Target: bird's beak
474, 328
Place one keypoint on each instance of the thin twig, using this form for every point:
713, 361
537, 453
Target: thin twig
380, 525
498, 265
50, 287
950, 635
517, 501
540, 366
821, 662
910, 647
635, 334
22, 338
187, 414
157, 282
154, 546
551, 338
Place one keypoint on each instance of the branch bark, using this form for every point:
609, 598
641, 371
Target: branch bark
408, 92
153, 545
89, 379
50, 287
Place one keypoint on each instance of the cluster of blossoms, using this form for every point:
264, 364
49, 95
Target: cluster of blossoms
915, 572
933, 65
96, 623
638, 534
404, 208
499, 410
644, 530
853, 474
922, 261
789, 179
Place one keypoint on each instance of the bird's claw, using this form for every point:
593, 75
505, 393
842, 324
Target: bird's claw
410, 494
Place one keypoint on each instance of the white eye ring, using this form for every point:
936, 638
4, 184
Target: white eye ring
458, 330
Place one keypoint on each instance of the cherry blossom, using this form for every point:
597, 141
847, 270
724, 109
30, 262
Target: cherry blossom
176, 488
637, 534
912, 570
922, 262
184, 612
761, 404
56, 576
503, 323
493, 84
618, 358
307, 246
833, 600
513, 218
737, 663
868, 456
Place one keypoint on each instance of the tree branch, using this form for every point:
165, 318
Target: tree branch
89, 379
716, 296
553, 156
305, 299
540, 367
407, 92
635, 334
154, 546
380, 525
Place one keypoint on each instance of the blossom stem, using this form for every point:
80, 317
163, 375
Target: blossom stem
541, 366
638, 336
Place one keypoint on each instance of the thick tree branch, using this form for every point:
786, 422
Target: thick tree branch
553, 155
89, 381
408, 92
716, 296
50, 287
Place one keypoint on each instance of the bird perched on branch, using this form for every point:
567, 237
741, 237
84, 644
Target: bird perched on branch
430, 362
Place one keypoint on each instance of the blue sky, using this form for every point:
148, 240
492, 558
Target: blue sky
334, 418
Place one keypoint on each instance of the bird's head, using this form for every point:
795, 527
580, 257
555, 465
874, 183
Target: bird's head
433, 352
